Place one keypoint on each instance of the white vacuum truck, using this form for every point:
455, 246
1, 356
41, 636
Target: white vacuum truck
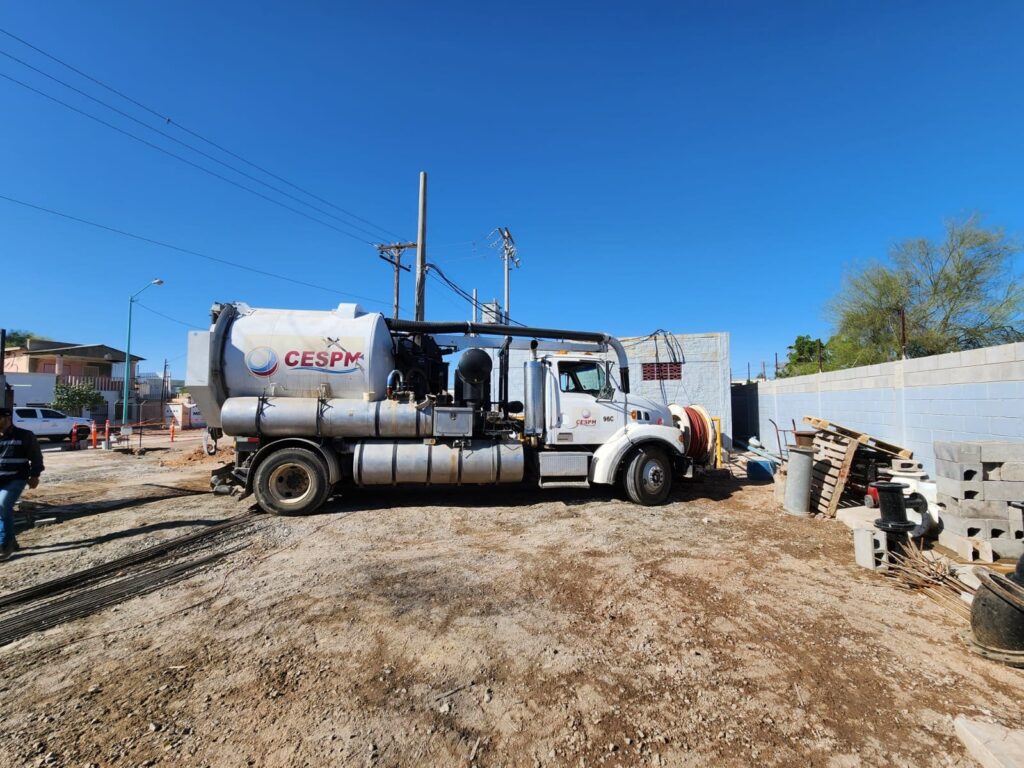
317, 401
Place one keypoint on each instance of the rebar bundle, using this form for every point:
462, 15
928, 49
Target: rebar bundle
934, 577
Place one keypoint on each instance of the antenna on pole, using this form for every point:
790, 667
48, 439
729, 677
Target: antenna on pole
508, 257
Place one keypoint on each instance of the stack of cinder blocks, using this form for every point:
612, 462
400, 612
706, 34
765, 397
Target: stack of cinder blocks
976, 483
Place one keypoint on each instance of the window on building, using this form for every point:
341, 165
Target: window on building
661, 371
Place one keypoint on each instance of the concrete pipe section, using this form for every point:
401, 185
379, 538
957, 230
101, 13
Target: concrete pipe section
798, 481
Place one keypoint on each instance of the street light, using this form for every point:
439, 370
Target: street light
128, 353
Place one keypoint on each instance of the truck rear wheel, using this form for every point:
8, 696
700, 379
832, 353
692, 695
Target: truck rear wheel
648, 477
291, 481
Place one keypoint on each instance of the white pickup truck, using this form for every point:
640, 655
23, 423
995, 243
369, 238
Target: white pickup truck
46, 422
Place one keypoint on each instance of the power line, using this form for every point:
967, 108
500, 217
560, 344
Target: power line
458, 290
188, 251
168, 317
182, 159
189, 131
185, 144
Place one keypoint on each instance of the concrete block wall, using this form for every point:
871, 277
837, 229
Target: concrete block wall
705, 378
961, 396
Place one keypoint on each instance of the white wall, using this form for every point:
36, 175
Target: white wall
973, 395
32, 387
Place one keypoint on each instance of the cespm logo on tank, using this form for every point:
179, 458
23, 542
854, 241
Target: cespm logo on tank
263, 361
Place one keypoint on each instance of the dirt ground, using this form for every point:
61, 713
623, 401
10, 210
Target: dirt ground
443, 628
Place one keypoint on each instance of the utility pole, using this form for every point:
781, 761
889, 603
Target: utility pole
776, 365
421, 248
508, 257
475, 305
163, 390
392, 254
819, 356
903, 332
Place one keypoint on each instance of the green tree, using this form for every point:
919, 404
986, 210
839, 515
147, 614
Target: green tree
17, 338
803, 357
934, 297
72, 398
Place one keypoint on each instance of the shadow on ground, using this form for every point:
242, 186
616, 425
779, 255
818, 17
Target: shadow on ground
717, 486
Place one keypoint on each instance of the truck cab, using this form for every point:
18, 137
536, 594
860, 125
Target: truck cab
587, 404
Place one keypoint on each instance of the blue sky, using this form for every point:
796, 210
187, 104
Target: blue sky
688, 166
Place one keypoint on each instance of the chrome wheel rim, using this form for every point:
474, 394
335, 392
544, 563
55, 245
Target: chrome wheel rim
290, 484
653, 478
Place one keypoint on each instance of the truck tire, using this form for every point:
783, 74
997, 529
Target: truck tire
291, 481
648, 477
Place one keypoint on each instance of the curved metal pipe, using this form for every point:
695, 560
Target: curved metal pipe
493, 329
390, 385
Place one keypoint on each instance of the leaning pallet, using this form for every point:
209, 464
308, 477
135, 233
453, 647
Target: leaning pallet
861, 437
833, 457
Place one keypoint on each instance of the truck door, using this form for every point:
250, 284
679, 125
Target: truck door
28, 418
55, 423
590, 409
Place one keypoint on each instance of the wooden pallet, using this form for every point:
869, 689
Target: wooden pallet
833, 457
860, 437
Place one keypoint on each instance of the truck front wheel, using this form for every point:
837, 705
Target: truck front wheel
291, 481
648, 477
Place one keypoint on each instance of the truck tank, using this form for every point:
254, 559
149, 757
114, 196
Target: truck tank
344, 353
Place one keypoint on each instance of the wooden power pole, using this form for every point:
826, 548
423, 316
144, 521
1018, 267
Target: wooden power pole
392, 254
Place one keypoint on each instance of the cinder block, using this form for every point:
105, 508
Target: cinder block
1002, 451
1016, 520
961, 452
971, 508
991, 471
962, 489
1011, 471
955, 470
870, 549
906, 465
999, 490
1007, 549
970, 550
987, 529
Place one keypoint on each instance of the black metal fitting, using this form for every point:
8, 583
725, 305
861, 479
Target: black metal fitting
893, 508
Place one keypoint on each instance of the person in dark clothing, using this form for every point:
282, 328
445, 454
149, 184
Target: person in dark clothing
21, 463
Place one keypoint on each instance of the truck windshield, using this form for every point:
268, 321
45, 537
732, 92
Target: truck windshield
587, 377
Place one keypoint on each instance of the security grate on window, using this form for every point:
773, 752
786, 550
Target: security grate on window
661, 371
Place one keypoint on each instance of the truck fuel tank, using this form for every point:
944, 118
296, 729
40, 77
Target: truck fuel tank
337, 417
476, 462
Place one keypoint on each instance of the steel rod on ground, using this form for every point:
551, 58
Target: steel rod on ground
83, 604
90, 575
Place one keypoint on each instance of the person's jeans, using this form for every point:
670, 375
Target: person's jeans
9, 493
